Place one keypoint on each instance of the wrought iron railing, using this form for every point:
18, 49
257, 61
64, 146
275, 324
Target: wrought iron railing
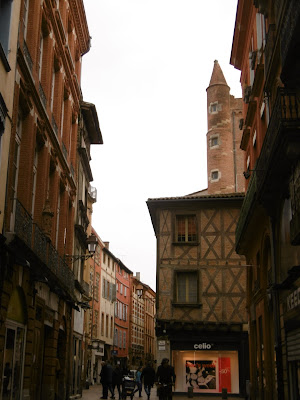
285, 114
27, 56
72, 170
54, 126
246, 207
64, 150
42, 96
31, 234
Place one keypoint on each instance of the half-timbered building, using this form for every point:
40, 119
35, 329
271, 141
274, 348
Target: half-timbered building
201, 320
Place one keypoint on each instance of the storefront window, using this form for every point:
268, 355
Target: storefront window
206, 371
13, 362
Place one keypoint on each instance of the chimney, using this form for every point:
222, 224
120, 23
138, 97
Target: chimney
106, 245
138, 276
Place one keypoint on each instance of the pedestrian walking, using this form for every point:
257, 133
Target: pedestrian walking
165, 377
138, 382
106, 379
117, 380
148, 377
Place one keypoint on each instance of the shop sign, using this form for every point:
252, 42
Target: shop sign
293, 300
202, 346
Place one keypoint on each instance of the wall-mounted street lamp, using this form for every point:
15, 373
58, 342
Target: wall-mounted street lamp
140, 294
139, 290
92, 243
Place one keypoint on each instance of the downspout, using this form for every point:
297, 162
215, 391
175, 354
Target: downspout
234, 151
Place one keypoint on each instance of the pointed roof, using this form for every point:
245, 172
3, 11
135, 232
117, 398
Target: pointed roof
217, 77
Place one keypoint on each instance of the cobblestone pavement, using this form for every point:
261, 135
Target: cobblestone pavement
95, 392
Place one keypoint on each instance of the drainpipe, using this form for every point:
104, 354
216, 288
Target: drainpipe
276, 312
234, 150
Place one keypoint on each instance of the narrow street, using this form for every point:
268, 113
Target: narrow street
95, 392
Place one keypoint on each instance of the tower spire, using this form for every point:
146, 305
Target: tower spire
217, 76
224, 164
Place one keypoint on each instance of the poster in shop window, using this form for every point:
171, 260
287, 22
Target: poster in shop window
224, 374
201, 374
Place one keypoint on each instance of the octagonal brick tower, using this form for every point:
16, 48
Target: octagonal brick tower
225, 163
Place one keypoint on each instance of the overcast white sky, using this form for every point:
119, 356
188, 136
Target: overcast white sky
147, 73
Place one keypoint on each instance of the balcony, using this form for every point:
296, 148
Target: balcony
246, 211
43, 257
281, 147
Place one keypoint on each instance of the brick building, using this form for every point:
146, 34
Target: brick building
108, 299
201, 320
38, 288
122, 314
9, 22
266, 50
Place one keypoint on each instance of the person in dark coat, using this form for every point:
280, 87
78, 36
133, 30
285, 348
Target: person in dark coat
165, 375
117, 380
106, 379
148, 377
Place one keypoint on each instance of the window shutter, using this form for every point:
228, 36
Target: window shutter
114, 292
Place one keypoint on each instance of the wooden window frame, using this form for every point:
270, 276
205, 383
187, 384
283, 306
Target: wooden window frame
185, 240
194, 275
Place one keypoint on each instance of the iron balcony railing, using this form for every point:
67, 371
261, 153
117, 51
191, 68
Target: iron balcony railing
34, 238
246, 210
283, 124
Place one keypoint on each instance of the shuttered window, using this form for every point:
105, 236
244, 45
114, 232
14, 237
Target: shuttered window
186, 228
187, 287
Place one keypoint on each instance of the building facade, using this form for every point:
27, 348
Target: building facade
266, 50
9, 22
150, 346
142, 323
107, 300
201, 320
40, 285
122, 311
95, 347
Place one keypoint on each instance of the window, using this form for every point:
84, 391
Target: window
186, 228
5, 18
214, 141
214, 107
102, 324
25, 17
214, 175
116, 338
34, 175
254, 139
186, 286
40, 61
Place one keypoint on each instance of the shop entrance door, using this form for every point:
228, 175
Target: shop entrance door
13, 362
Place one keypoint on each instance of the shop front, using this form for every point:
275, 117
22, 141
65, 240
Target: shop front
292, 335
211, 363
